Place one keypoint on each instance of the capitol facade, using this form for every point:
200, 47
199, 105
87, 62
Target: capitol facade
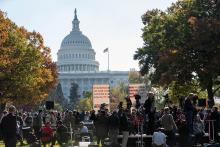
77, 64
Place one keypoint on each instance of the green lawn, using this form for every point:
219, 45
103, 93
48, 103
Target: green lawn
25, 144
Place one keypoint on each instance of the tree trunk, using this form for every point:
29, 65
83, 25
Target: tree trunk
2, 107
210, 94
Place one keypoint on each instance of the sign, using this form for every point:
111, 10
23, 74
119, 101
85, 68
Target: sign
100, 95
139, 89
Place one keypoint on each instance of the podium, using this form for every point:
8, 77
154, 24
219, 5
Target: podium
84, 144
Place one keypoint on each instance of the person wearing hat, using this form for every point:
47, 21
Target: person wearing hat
9, 127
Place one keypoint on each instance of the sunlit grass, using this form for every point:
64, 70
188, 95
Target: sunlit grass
27, 145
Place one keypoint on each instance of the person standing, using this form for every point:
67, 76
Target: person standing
149, 106
124, 125
189, 109
169, 126
101, 126
29, 120
9, 128
215, 116
37, 123
61, 133
113, 124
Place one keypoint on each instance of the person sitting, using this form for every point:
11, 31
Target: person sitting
46, 134
83, 130
198, 129
159, 138
61, 133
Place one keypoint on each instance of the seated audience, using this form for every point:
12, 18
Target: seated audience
47, 134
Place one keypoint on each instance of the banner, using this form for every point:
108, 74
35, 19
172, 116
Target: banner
139, 89
100, 95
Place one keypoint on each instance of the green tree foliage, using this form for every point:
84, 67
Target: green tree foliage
87, 94
176, 90
57, 96
74, 96
182, 43
118, 94
27, 73
134, 77
86, 104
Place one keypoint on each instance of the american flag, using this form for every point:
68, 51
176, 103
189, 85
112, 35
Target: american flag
105, 50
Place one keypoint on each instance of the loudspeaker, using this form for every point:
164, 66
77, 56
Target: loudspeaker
49, 105
202, 102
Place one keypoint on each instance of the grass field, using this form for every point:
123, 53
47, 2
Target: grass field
25, 145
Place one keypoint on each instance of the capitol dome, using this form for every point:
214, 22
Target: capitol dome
77, 40
76, 53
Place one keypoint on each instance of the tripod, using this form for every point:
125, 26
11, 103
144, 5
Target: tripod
140, 142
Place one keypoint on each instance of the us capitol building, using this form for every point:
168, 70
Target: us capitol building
77, 64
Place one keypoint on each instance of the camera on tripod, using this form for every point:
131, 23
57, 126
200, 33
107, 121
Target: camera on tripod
128, 101
137, 98
166, 96
120, 106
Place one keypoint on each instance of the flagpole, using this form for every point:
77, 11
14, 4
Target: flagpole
108, 60
104, 51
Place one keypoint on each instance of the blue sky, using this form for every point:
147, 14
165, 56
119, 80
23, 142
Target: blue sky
115, 24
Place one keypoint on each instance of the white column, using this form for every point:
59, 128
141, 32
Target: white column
84, 67
77, 67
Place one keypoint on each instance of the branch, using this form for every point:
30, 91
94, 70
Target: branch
216, 90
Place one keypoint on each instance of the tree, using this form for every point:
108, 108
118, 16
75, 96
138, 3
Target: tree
87, 94
182, 44
135, 77
175, 90
86, 104
27, 73
57, 96
118, 94
74, 96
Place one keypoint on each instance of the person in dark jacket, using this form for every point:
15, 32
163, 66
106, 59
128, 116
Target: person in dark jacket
101, 126
92, 115
37, 123
20, 124
149, 106
124, 125
113, 124
9, 128
215, 116
61, 133
189, 109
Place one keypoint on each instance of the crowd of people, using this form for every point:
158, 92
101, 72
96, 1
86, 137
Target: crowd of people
186, 121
